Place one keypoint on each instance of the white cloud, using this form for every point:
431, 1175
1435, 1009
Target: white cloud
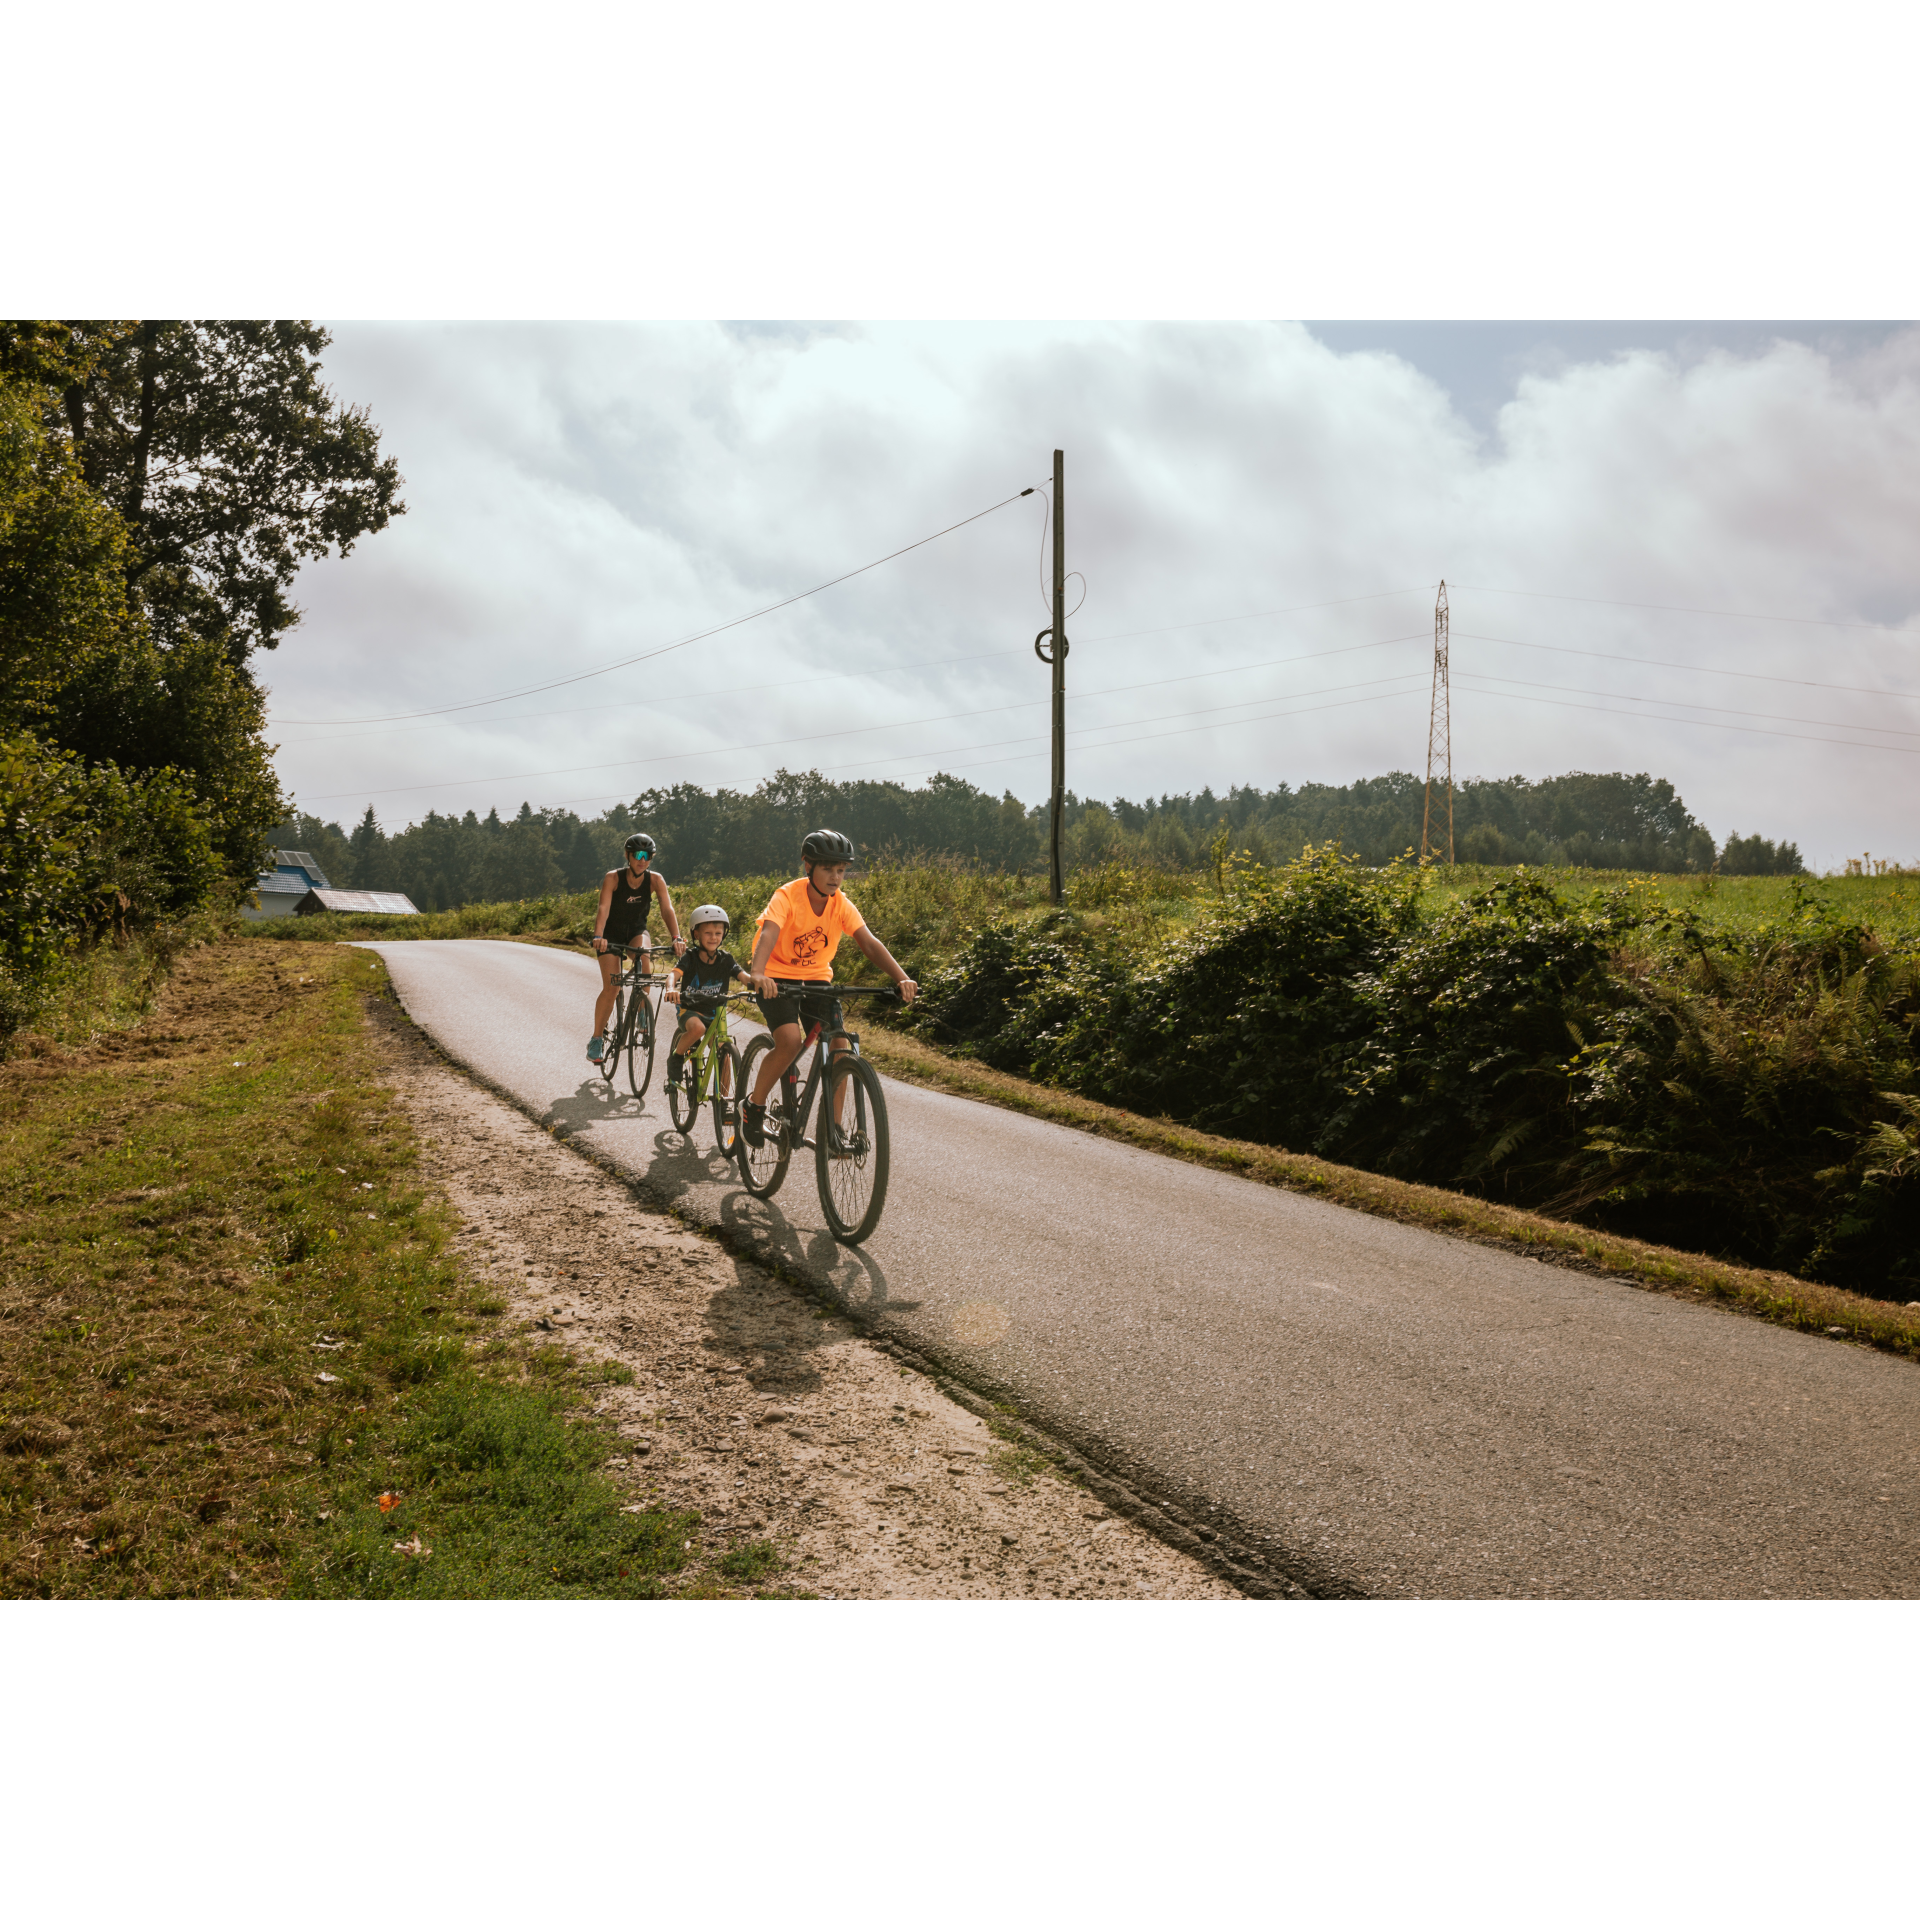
577, 494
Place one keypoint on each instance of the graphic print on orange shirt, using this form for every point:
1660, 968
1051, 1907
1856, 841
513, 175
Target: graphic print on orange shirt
808, 940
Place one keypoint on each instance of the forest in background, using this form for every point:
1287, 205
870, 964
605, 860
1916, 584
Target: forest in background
1607, 821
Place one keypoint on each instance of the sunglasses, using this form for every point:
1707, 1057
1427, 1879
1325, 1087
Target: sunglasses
639, 859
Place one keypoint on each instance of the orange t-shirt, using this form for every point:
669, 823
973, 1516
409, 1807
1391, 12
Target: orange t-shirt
805, 948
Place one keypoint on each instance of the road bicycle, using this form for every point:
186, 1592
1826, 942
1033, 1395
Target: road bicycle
850, 1139
633, 1028
711, 1076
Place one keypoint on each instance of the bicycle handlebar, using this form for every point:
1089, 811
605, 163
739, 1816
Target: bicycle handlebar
828, 990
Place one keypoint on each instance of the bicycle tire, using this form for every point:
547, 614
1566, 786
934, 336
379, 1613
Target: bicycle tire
727, 1072
610, 1044
853, 1184
640, 1039
762, 1168
683, 1095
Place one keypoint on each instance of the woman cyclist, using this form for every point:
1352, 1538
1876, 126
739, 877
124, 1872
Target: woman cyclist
626, 899
798, 935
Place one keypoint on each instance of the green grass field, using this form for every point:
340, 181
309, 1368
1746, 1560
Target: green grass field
925, 911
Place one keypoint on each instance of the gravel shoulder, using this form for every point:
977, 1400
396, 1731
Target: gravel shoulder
770, 1415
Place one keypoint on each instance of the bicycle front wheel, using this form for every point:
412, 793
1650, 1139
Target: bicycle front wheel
640, 1041
683, 1095
610, 1041
762, 1168
727, 1096
850, 1150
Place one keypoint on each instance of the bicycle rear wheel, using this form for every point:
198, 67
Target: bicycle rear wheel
762, 1168
640, 1040
726, 1098
850, 1157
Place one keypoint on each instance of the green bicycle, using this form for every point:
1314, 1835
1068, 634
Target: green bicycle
711, 1076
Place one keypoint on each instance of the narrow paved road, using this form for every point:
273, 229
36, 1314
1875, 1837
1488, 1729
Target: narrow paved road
1386, 1411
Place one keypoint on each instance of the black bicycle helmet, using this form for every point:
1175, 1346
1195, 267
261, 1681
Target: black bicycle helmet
825, 848
641, 843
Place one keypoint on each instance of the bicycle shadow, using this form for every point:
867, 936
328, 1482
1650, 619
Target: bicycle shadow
858, 1281
592, 1101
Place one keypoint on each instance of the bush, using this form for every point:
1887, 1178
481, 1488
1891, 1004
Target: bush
1750, 1094
87, 851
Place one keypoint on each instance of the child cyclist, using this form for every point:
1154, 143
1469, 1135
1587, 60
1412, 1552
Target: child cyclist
626, 902
701, 979
800, 931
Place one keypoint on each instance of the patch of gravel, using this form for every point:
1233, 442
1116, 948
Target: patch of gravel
773, 1418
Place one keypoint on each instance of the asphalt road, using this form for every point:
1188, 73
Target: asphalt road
1383, 1410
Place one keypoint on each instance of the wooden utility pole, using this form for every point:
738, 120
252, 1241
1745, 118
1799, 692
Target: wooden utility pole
1058, 656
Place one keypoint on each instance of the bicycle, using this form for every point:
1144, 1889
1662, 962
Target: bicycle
711, 1076
850, 1152
633, 1023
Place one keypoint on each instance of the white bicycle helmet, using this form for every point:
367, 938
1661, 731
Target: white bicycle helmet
701, 915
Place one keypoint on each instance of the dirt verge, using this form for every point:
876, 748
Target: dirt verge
750, 1402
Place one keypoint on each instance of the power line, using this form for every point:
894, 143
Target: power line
493, 700
1717, 726
1682, 666
1694, 706
1716, 613
851, 733
885, 726
1036, 753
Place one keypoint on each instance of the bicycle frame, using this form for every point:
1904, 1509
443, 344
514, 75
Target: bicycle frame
702, 1060
817, 1050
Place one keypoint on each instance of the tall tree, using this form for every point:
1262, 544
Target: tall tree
227, 459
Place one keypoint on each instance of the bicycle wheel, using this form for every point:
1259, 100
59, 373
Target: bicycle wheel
726, 1098
762, 1168
610, 1041
683, 1095
640, 1040
853, 1170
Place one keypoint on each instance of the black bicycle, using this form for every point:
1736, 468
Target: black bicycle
850, 1140
633, 1023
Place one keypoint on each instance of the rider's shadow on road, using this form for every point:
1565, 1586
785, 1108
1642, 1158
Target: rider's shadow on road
682, 1163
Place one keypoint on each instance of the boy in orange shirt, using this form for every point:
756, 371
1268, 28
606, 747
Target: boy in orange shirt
799, 932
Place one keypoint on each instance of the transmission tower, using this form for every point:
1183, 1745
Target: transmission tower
1439, 734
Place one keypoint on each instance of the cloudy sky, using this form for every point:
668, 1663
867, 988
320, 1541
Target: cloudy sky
1686, 550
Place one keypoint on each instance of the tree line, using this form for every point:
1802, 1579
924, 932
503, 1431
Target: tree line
161, 482
1614, 820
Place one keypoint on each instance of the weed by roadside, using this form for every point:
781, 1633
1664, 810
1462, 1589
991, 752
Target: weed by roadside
237, 1355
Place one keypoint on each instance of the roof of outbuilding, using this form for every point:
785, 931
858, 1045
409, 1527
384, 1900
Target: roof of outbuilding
355, 900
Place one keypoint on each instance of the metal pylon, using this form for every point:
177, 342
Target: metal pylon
1439, 734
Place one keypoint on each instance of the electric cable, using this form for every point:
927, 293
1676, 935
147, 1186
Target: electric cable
1716, 613
1681, 666
886, 726
1717, 726
654, 653
1692, 706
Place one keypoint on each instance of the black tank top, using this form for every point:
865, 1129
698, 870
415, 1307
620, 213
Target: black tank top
627, 915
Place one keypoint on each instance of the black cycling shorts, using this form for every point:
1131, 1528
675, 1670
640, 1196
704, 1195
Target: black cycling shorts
815, 1002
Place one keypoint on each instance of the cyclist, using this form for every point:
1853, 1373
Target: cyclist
626, 901
699, 981
799, 933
